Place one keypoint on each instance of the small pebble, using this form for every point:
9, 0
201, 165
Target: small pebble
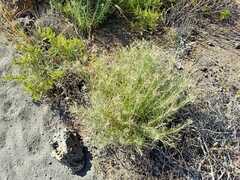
211, 44
237, 46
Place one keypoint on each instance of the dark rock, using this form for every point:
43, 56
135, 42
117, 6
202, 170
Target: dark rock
69, 150
179, 65
211, 44
237, 46
58, 23
205, 69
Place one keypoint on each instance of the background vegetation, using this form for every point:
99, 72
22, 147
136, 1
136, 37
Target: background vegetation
142, 14
88, 14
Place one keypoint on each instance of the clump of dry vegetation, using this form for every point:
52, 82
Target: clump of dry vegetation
133, 95
196, 11
9, 25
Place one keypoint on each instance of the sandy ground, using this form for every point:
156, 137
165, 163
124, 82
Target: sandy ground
25, 133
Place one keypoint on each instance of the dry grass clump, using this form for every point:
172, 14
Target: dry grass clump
133, 94
18, 7
9, 25
197, 10
207, 149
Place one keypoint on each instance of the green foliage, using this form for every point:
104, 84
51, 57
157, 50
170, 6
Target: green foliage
41, 62
147, 13
225, 14
147, 18
87, 14
133, 95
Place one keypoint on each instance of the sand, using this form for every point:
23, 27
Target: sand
25, 132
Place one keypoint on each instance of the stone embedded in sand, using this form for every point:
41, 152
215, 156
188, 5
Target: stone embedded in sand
58, 23
237, 45
68, 149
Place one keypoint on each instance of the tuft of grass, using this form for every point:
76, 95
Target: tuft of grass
225, 14
41, 62
87, 14
133, 95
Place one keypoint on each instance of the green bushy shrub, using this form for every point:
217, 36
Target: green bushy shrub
41, 62
133, 95
87, 14
147, 13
